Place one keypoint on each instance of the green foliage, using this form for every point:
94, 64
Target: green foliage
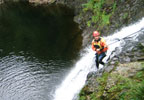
134, 87
82, 98
125, 15
89, 23
83, 93
141, 47
105, 19
139, 92
93, 96
88, 6
102, 83
99, 13
123, 83
102, 80
135, 92
114, 7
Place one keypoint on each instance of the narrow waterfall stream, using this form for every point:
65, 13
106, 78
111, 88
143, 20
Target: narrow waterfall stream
75, 80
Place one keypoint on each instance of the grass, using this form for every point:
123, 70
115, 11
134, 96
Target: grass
124, 87
129, 88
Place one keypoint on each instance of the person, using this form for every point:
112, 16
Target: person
99, 45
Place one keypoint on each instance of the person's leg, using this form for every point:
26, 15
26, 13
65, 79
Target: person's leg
97, 61
101, 56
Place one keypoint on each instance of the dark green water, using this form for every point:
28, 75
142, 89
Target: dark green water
38, 45
41, 31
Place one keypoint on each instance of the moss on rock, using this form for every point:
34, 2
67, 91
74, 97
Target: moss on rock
123, 83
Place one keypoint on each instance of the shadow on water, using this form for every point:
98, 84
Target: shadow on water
37, 47
42, 31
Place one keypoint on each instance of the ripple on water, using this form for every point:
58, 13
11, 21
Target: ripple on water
25, 80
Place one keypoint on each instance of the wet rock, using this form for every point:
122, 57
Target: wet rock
91, 74
127, 59
115, 59
105, 94
112, 62
42, 1
140, 59
109, 2
109, 68
101, 70
131, 75
133, 50
142, 43
1, 1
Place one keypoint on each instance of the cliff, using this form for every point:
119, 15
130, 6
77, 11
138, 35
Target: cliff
122, 78
122, 82
106, 16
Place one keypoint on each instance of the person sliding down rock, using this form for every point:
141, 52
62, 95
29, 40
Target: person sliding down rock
99, 45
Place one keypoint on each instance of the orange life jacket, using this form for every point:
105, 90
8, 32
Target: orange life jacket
99, 44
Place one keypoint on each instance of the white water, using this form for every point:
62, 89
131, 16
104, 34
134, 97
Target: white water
76, 78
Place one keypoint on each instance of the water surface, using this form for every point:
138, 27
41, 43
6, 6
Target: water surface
38, 46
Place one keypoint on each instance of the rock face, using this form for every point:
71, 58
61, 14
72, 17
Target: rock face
117, 82
133, 50
100, 84
108, 83
126, 12
1, 1
42, 1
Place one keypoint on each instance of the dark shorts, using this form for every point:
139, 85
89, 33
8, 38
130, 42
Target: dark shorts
99, 57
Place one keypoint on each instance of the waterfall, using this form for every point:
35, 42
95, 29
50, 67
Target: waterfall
75, 80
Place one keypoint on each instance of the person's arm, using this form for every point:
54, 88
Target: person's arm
104, 45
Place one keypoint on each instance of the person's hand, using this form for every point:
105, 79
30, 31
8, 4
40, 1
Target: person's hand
105, 46
97, 50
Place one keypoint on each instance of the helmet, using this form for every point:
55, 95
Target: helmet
96, 33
